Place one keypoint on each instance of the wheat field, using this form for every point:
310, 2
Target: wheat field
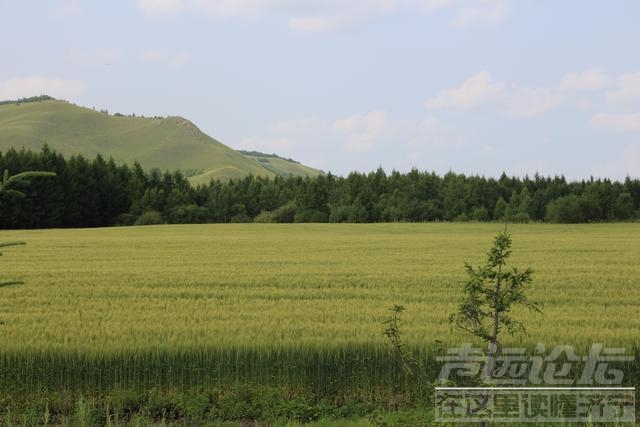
283, 303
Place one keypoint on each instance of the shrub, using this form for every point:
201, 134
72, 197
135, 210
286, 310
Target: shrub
162, 406
564, 210
188, 214
284, 214
240, 218
480, 214
339, 213
125, 402
150, 218
518, 218
196, 405
238, 404
572, 209
126, 219
85, 414
311, 215
623, 206
264, 217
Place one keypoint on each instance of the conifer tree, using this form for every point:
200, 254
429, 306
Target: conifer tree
491, 292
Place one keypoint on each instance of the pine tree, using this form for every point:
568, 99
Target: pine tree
491, 292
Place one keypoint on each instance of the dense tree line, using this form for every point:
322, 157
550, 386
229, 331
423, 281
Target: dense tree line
99, 192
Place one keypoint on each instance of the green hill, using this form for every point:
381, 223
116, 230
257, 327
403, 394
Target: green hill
281, 166
166, 143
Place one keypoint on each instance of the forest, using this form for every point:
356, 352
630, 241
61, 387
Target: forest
99, 192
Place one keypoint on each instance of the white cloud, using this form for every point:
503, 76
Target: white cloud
359, 143
153, 55
307, 16
66, 8
330, 15
226, 8
317, 23
482, 13
372, 122
626, 93
266, 144
625, 163
431, 6
350, 124
280, 137
617, 122
95, 57
180, 58
290, 8
529, 102
631, 160
38, 85
429, 124
175, 59
516, 101
478, 90
589, 80
161, 7
292, 126
427, 133
362, 131
583, 104
361, 140
376, 129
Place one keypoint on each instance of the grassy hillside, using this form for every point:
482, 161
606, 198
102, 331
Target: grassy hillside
281, 166
165, 143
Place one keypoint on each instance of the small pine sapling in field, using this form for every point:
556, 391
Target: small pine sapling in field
491, 292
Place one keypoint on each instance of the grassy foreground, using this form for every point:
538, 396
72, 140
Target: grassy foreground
291, 308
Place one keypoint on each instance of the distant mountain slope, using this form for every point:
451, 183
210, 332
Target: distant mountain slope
166, 143
281, 166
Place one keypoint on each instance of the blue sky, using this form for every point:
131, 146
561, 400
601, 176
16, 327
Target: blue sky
474, 86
